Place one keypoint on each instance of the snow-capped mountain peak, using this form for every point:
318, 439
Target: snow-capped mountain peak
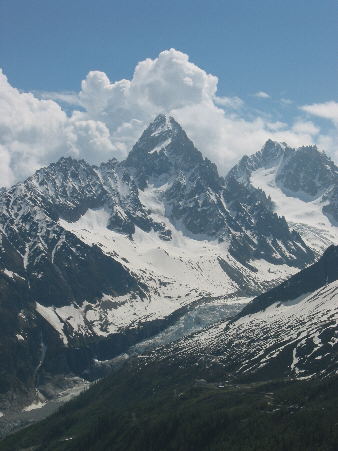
158, 134
269, 156
302, 185
163, 150
163, 124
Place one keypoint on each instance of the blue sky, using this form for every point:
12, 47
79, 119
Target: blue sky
285, 47
84, 78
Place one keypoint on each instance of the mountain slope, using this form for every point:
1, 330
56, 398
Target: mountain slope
157, 412
290, 331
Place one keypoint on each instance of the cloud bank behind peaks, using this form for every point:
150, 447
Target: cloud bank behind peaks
165, 84
35, 131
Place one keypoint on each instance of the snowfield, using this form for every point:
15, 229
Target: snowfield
305, 216
177, 272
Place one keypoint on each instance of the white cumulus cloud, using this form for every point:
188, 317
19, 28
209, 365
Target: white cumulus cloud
34, 132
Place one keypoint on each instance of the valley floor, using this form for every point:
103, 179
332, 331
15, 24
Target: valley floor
37, 411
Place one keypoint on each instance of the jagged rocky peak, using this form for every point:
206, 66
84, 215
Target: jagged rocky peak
62, 178
307, 171
271, 152
197, 200
163, 125
157, 136
70, 186
64, 167
269, 156
163, 148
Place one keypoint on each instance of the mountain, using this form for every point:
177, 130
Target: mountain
302, 185
265, 379
94, 259
197, 201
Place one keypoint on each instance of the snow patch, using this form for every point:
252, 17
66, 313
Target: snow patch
92, 220
12, 274
160, 146
33, 406
49, 314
